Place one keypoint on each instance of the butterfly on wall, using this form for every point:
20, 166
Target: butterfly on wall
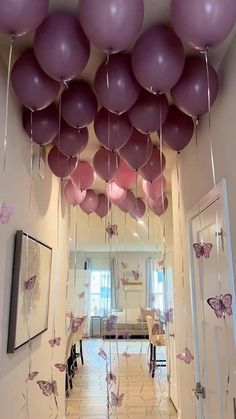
186, 356
81, 295
203, 249
116, 399
6, 211
110, 323
32, 375
48, 388
60, 366
221, 305
30, 283
124, 265
102, 353
111, 378
135, 275
55, 341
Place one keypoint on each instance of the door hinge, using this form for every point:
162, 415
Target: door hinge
199, 391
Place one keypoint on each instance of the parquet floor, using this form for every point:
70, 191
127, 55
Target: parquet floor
144, 397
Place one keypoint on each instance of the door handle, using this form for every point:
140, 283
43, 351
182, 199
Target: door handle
172, 335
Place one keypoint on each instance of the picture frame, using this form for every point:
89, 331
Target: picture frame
31, 277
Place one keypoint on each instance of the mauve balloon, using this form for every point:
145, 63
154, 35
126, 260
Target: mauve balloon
128, 204
137, 151
45, 124
158, 59
112, 131
154, 166
61, 47
190, 94
103, 206
115, 193
149, 112
106, 163
154, 189
90, 202
159, 206
34, 89
203, 23
72, 141
19, 17
111, 25
59, 164
126, 177
83, 175
177, 130
78, 104
139, 209
115, 86
73, 195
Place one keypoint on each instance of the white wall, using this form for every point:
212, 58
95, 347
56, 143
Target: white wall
195, 181
40, 221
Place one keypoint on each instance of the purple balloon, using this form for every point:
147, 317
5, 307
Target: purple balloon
203, 23
34, 89
19, 17
126, 177
153, 190
137, 151
158, 59
45, 125
177, 130
73, 195
61, 165
190, 94
61, 47
72, 141
159, 206
103, 207
106, 163
129, 202
139, 209
116, 88
90, 202
78, 104
83, 175
149, 112
111, 25
154, 167
112, 131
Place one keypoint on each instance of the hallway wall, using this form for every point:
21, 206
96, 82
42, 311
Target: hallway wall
40, 221
196, 180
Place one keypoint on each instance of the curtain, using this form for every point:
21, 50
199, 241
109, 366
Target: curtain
114, 284
149, 282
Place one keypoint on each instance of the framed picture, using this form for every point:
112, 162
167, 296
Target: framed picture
30, 290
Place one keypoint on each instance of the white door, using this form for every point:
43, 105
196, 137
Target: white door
215, 356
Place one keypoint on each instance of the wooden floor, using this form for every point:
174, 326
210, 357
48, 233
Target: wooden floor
144, 397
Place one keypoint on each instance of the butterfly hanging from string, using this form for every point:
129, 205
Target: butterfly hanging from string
81, 295
60, 366
221, 305
30, 283
136, 275
112, 230
116, 399
124, 265
203, 249
102, 353
6, 211
186, 356
168, 315
55, 341
48, 388
32, 375
111, 378
110, 323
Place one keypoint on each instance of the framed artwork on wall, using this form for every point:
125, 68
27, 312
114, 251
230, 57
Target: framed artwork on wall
30, 290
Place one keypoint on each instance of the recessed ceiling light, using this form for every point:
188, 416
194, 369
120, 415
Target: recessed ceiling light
135, 234
140, 222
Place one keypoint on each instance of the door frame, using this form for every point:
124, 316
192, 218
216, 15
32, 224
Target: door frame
219, 191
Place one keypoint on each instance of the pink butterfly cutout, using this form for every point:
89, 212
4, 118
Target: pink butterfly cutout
55, 341
221, 305
202, 250
116, 399
126, 355
32, 375
81, 295
61, 367
110, 323
112, 230
102, 353
48, 388
29, 283
124, 281
6, 212
168, 314
161, 263
111, 378
124, 265
157, 329
135, 275
76, 323
186, 356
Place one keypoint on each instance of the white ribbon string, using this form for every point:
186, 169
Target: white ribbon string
7, 105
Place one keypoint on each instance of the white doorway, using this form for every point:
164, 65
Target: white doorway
214, 337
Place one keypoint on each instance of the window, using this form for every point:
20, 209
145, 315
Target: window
158, 290
100, 293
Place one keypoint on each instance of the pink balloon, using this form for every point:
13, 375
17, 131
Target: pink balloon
103, 207
159, 206
73, 195
126, 177
105, 164
158, 59
90, 202
190, 94
137, 151
154, 166
154, 189
83, 176
59, 164
111, 25
78, 104
115, 194
61, 47
116, 88
112, 131
149, 112
128, 204
20, 17
139, 209
177, 130
203, 23
45, 125
72, 141
34, 89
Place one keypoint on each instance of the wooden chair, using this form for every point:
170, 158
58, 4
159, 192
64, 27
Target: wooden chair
156, 338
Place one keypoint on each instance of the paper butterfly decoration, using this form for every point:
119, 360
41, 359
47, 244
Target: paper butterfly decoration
135, 275
157, 329
30, 283
75, 322
186, 356
112, 230
221, 305
124, 281
124, 265
32, 375
161, 263
110, 323
116, 399
111, 378
126, 355
55, 341
6, 212
48, 388
81, 295
102, 354
61, 367
202, 250
168, 314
